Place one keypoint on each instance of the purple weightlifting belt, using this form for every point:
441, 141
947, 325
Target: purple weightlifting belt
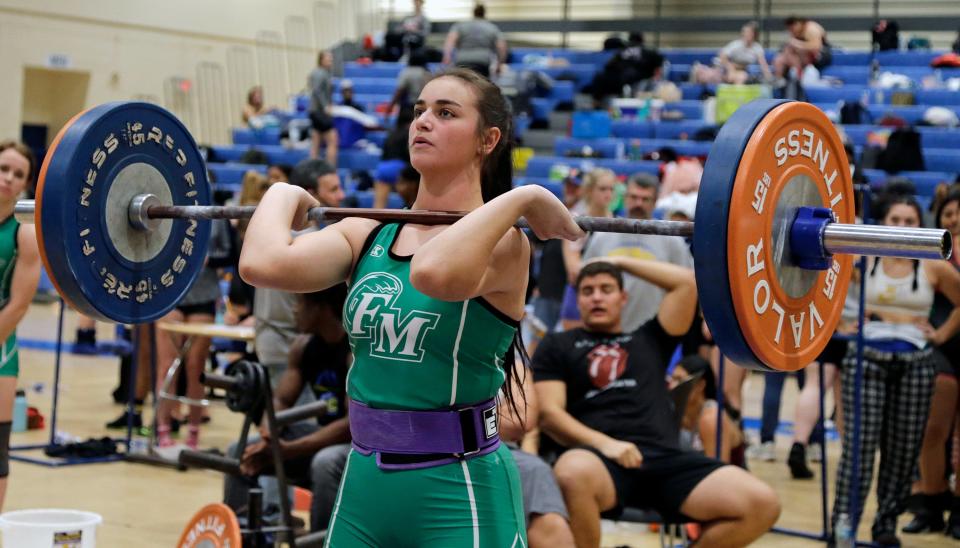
406, 440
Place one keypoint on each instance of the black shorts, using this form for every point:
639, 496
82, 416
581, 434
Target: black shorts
664, 480
834, 352
209, 308
321, 121
944, 365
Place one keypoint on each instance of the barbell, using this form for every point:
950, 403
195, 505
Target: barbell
123, 190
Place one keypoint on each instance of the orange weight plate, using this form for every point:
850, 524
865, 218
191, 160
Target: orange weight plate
793, 158
214, 526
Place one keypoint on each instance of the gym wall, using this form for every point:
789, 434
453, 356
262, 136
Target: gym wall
196, 57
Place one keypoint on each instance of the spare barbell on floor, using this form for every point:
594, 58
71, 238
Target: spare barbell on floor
771, 242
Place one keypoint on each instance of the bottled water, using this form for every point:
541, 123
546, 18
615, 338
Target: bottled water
843, 532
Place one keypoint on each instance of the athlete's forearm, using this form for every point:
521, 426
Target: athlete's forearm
451, 266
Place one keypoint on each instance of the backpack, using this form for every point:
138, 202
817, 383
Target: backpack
903, 152
853, 112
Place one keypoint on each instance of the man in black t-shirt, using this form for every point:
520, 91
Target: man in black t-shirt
603, 393
314, 452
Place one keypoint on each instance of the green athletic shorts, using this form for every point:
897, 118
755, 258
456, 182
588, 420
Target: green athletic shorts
10, 357
476, 502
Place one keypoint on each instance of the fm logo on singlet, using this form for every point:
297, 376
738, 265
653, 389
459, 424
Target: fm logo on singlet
372, 314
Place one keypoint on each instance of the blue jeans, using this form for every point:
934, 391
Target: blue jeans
770, 419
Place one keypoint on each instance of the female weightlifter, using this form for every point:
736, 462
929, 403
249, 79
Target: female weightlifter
432, 316
19, 275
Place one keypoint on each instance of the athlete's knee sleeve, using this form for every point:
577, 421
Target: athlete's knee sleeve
5, 448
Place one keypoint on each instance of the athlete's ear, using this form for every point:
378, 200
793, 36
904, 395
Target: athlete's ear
490, 138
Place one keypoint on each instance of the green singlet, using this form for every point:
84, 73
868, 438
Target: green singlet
9, 356
413, 352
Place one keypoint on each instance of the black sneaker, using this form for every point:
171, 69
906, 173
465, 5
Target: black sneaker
797, 461
120, 422
886, 540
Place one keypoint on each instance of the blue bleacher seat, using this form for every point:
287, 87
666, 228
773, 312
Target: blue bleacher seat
856, 74
373, 70
941, 159
848, 93
562, 91
925, 181
265, 136
693, 92
231, 173
692, 110
633, 129
365, 199
539, 166
607, 148
679, 72
910, 113
357, 160
906, 58
855, 58
370, 86
938, 97
555, 187
679, 129
689, 56
936, 137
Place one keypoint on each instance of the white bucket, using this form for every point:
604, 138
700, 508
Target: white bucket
49, 528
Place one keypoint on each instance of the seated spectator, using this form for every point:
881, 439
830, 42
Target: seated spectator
635, 66
278, 173
698, 429
255, 114
314, 453
346, 95
410, 82
734, 60
807, 45
602, 394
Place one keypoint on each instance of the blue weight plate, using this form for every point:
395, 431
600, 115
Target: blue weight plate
99, 264
710, 230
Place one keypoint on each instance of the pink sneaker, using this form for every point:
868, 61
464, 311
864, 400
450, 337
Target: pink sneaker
193, 437
163, 437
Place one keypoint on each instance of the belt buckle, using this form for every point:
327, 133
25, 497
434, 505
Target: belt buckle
475, 442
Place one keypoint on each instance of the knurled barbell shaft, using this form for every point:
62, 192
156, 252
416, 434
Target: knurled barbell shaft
876, 240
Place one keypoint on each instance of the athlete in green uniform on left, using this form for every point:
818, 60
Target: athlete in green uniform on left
430, 316
19, 275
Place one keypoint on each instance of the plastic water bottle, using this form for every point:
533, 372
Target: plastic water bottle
20, 412
843, 532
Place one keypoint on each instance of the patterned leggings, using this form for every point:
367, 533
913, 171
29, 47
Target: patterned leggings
894, 404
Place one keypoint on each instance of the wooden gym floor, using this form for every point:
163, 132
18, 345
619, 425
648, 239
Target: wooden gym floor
148, 506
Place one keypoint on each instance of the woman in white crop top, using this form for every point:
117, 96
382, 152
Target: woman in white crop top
898, 372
